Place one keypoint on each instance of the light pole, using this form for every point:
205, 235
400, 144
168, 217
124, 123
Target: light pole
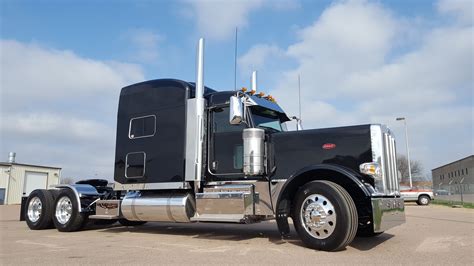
408, 150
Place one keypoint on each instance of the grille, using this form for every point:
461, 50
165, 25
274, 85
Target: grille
384, 153
390, 164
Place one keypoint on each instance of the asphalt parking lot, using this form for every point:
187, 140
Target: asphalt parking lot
432, 235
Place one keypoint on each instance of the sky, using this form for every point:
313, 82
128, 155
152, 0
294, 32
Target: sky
63, 63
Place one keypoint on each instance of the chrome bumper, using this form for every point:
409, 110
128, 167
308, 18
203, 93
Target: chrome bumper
387, 213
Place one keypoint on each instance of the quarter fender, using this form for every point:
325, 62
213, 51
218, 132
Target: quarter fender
80, 190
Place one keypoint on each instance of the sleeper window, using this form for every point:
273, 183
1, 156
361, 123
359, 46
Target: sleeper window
135, 165
141, 127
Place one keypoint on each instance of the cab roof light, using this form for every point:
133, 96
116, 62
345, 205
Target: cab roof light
243, 89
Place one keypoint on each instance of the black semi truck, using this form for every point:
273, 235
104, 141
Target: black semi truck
188, 153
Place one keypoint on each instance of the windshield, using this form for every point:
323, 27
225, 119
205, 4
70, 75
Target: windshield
266, 118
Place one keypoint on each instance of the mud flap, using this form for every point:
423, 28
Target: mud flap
283, 213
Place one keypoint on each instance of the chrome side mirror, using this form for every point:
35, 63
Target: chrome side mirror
236, 112
299, 123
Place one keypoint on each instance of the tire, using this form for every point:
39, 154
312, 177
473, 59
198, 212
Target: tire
39, 210
54, 194
126, 222
66, 216
423, 200
335, 216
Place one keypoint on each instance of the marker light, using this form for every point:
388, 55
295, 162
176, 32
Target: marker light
372, 169
261, 94
252, 92
270, 98
244, 89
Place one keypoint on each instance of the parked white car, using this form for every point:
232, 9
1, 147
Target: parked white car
420, 196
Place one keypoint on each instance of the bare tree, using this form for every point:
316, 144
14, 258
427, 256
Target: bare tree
402, 165
67, 180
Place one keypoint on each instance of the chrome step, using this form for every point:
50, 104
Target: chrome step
103, 217
226, 203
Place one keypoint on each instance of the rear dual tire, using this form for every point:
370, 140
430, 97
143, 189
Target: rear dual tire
39, 209
325, 216
67, 216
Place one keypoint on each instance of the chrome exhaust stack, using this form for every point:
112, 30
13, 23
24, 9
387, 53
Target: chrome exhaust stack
200, 70
195, 123
253, 80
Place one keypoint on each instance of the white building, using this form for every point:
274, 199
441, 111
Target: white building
18, 180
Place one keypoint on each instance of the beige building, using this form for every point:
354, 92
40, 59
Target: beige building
18, 180
455, 177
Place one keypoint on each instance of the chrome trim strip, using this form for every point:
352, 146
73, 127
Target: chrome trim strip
377, 155
152, 186
194, 139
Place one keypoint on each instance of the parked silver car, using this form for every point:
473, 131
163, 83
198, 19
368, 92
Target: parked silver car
418, 195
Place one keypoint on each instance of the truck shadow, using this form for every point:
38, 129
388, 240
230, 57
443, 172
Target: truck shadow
368, 243
232, 232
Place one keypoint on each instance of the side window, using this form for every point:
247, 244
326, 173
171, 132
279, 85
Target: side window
226, 156
135, 165
141, 127
221, 123
238, 157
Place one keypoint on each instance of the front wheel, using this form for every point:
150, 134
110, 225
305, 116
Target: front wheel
325, 216
67, 216
423, 200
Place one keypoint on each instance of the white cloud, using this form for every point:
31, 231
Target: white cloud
58, 108
462, 10
218, 19
31, 73
54, 126
145, 44
257, 56
353, 71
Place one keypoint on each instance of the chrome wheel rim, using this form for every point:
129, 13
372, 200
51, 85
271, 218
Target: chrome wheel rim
34, 209
318, 216
63, 210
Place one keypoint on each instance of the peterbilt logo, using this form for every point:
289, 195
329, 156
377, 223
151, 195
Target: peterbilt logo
329, 146
108, 205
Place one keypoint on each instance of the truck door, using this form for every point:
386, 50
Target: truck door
225, 158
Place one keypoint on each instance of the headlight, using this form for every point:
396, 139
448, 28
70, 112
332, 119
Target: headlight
372, 169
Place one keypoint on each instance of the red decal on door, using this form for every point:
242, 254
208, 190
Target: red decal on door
329, 146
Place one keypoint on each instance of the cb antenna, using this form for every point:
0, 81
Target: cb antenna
235, 60
299, 97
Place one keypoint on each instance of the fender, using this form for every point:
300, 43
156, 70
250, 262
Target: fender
80, 190
291, 185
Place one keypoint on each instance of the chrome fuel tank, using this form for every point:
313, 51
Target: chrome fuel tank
158, 207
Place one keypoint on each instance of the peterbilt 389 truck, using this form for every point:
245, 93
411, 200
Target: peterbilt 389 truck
188, 153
